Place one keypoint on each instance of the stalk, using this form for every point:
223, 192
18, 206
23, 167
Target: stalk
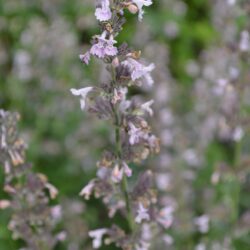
238, 144
124, 183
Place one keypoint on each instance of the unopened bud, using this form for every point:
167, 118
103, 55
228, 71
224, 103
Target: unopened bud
53, 192
134, 54
144, 124
115, 62
4, 204
133, 8
109, 27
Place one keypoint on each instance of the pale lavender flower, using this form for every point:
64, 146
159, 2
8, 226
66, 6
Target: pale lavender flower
231, 2
139, 71
97, 236
168, 240
61, 236
140, 4
244, 41
163, 181
153, 141
202, 223
220, 86
238, 134
165, 217
142, 214
146, 233
87, 190
85, 58
83, 92
56, 212
191, 157
104, 47
135, 134
103, 13
124, 105
146, 107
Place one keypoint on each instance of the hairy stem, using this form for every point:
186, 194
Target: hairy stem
124, 184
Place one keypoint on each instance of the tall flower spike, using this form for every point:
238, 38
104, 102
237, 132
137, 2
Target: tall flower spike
133, 138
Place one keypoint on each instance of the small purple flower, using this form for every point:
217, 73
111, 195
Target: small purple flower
104, 47
138, 71
136, 134
142, 214
202, 223
103, 13
165, 217
85, 58
140, 4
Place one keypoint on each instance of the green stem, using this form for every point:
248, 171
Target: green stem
238, 144
124, 184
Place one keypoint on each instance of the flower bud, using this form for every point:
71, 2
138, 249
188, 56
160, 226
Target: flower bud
4, 204
133, 8
115, 62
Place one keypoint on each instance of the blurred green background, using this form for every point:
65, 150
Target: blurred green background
39, 46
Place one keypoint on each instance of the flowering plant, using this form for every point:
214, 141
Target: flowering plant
31, 220
134, 140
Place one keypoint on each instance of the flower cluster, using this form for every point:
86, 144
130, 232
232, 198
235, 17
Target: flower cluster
134, 140
31, 220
